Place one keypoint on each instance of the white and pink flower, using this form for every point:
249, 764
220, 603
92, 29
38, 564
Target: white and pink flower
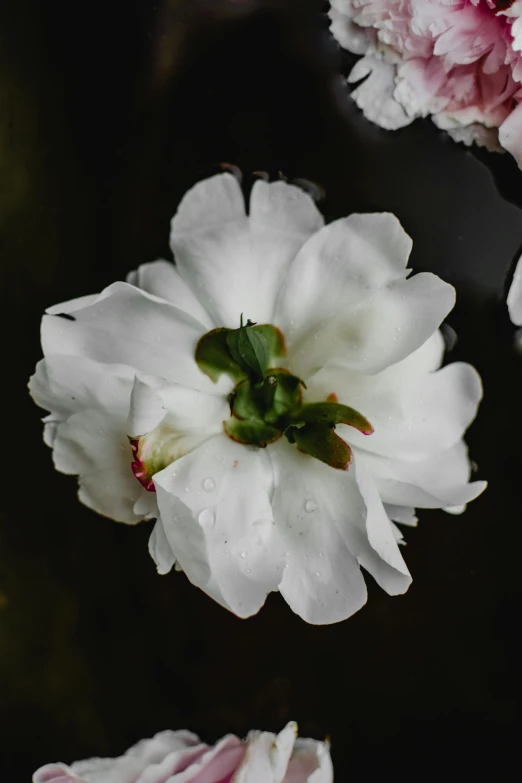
181, 757
459, 62
276, 456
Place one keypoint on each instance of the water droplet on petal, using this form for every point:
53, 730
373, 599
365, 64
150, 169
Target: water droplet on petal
318, 573
207, 517
310, 506
209, 484
187, 489
243, 555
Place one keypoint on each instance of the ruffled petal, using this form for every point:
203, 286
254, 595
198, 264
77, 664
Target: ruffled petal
510, 134
215, 509
347, 34
375, 95
267, 756
234, 263
310, 763
162, 279
160, 550
412, 417
55, 773
383, 559
128, 326
68, 384
145, 762
322, 581
95, 447
355, 307
436, 482
198, 764
514, 300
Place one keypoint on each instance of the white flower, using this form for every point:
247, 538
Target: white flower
514, 300
180, 756
239, 519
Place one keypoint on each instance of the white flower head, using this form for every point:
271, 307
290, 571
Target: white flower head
274, 399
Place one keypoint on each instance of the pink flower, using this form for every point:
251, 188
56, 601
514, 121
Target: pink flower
459, 61
181, 757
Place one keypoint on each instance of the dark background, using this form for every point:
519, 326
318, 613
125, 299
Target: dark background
109, 111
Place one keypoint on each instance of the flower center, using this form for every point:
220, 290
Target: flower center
266, 402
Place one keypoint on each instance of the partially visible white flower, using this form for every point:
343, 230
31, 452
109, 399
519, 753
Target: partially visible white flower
251, 445
181, 757
514, 300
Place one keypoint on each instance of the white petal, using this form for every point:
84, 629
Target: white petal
148, 760
514, 300
333, 521
160, 549
215, 508
436, 482
73, 304
348, 34
382, 330
355, 306
382, 540
412, 417
322, 581
375, 96
310, 763
510, 134
55, 773
402, 514
161, 278
68, 384
128, 326
188, 409
267, 756
342, 260
233, 263
146, 407
92, 445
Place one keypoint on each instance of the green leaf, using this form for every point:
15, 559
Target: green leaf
248, 431
274, 340
213, 356
321, 442
282, 394
333, 413
249, 349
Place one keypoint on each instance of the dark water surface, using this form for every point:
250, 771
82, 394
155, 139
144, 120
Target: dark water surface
108, 113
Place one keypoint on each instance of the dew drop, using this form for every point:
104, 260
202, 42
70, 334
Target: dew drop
310, 506
206, 517
187, 489
248, 571
209, 484
243, 555
318, 573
